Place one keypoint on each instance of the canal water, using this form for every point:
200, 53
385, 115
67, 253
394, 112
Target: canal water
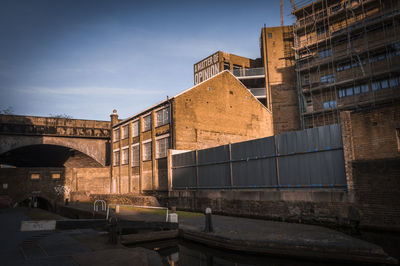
183, 253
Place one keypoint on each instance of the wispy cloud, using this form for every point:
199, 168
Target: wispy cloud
77, 91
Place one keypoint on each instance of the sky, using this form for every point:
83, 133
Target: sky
84, 58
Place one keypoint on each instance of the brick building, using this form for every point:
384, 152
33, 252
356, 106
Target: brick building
270, 78
217, 111
347, 57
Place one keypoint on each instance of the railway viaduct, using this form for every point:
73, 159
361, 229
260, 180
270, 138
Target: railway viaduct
51, 159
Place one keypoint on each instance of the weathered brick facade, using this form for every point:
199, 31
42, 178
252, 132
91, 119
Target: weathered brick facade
370, 140
72, 183
217, 111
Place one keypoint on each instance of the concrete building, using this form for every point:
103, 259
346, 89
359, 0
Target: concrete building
347, 57
217, 111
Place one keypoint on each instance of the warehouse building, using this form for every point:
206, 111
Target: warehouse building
270, 78
217, 111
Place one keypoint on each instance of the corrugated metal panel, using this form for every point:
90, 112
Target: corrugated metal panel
184, 177
248, 149
309, 140
308, 157
211, 176
214, 167
254, 173
312, 168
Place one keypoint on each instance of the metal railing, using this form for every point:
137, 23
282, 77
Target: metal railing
103, 205
248, 72
258, 92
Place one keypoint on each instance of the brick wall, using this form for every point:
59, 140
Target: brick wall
216, 112
74, 183
372, 160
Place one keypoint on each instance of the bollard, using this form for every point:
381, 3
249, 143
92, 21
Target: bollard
173, 218
113, 226
117, 209
208, 228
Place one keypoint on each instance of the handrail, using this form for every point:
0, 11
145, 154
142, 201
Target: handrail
103, 205
136, 206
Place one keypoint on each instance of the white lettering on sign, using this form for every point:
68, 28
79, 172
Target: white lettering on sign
206, 73
206, 68
206, 62
38, 225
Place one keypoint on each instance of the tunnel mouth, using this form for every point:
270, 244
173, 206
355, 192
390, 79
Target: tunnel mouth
36, 202
45, 155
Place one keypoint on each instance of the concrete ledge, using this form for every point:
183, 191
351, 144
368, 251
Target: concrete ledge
81, 224
315, 252
148, 237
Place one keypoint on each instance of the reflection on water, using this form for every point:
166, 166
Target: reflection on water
180, 252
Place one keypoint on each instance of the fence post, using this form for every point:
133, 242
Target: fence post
278, 181
230, 165
197, 169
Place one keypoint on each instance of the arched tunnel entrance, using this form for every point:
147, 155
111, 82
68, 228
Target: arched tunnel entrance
44, 175
44, 155
37, 202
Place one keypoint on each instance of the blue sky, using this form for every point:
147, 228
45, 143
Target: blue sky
84, 58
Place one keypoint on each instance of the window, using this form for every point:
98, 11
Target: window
385, 83
125, 156
349, 91
394, 82
329, 104
147, 123
325, 53
269, 35
327, 78
116, 134
35, 176
343, 66
306, 79
125, 132
227, 66
135, 129
147, 151
135, 154
364, 88
116, 158
336, 8
163, 117
55, 175
162, 147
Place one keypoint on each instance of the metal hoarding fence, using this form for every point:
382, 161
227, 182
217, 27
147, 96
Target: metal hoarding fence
306, 158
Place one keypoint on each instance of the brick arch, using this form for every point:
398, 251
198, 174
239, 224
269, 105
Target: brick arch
94, 148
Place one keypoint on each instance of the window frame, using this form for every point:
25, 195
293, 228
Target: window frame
147, 127
135, 147
55, 173
327, 79
125, 152
39, 176
158, 142
115, 134
135, 125
163, 121
116, 162
145, 145
125, 131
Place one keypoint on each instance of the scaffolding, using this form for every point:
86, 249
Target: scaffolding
347, 55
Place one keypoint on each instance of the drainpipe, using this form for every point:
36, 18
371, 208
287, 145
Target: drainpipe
114, 121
